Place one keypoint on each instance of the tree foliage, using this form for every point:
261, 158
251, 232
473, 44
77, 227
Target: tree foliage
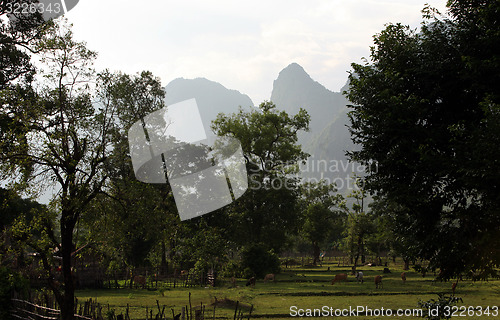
269, 208
62, 136
131, 217
321, 217
426, 109
19, 34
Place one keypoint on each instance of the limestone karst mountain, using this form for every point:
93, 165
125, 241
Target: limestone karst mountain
328, 138
212, 97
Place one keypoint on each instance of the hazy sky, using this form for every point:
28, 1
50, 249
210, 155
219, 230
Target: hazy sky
241, 44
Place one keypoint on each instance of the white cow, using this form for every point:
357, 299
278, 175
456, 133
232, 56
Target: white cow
359, 276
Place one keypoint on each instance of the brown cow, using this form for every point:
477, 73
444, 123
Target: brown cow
140, 280
339, 277
403, 277
269, 277
453, 287
251, 282
378, 282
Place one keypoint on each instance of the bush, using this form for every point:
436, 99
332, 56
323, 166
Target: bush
231, 269
10, 282
248, 273
259, 260
439, 309
200, 269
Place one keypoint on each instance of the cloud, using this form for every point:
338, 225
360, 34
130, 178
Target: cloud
243, 45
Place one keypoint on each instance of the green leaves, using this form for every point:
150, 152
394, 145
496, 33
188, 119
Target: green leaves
269, 209
419, 112
268, 137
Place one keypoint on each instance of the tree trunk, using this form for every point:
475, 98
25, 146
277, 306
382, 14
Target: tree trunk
163, 263
358, 253
363, 259
68, 297
354, 266
316, 252
407, 264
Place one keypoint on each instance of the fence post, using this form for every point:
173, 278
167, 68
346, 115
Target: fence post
236, 310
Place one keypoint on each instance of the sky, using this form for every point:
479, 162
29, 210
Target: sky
241, 44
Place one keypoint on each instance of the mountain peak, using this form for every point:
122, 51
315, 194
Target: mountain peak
295, 89
294, 70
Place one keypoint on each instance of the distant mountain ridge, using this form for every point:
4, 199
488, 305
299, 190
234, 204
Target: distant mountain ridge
211, 97
328, 138
295, 89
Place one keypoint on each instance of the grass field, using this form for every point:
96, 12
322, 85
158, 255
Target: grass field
305, 288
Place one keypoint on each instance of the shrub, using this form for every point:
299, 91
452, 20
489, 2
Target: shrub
10, 282
248, 273
259, 260
440, 308
231, 269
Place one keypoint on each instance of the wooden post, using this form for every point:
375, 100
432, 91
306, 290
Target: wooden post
197, 314
190, 308
236, 310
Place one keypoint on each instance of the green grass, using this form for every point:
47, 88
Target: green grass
305, 288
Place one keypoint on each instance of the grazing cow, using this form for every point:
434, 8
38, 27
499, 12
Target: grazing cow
359, 276
269, 277
453, 287
386, 270
140, 280
251, 282
403, 277
378, 282
339, 277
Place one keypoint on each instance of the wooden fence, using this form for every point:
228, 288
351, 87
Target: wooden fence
42, 306
26, 310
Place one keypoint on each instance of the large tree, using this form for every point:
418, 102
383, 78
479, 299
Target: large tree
359, 226
320, 218
132, 217
62, 137
269, 209
427, 109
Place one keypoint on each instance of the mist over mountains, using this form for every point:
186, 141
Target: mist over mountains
295, 89
211, 97
328, 138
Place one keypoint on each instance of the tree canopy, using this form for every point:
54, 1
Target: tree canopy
270, 207
426, 108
